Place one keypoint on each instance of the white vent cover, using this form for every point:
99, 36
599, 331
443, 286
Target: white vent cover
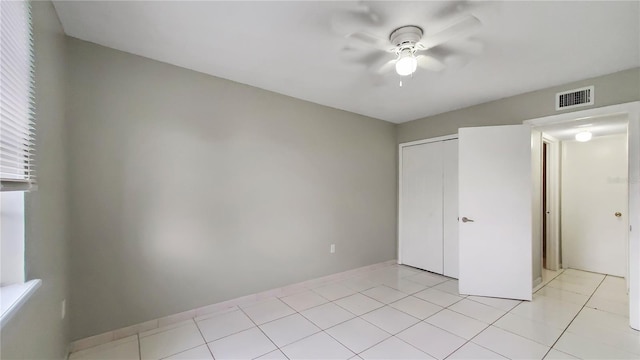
575, 98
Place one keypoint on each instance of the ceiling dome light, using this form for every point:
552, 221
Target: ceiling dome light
407, 63
584, 136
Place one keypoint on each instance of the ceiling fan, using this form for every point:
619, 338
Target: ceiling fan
407, 47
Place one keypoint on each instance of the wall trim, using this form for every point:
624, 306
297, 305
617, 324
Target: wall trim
429, 140
219, 307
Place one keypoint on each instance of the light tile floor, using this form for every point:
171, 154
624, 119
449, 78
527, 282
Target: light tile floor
398, 312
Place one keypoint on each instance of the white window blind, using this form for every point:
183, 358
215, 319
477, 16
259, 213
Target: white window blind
17, 112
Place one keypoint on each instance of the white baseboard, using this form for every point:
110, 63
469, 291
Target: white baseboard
537, 284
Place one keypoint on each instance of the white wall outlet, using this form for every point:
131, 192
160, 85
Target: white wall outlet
63, 308
332, 249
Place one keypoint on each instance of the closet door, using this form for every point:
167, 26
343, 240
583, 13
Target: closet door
421, 207
450, 207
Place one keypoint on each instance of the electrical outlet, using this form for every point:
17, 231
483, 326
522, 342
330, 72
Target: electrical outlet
332, 249
63, 310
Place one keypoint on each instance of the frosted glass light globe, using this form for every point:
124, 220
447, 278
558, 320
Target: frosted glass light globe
406, 64
584, 136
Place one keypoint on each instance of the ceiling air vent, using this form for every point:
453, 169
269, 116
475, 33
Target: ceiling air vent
575, 98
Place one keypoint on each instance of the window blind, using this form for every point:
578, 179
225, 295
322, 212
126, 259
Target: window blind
17, 107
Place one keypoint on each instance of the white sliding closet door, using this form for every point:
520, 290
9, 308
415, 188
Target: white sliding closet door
450, 207
421, 209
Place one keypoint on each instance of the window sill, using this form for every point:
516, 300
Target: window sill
13, 297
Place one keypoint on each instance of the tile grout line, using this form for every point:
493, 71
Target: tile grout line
360, 317
480, 332
445, 330
188, 349
420, 320
267, 336
387, 304
336, 277
296, 311
572, 320
401, 339
321, 330
495, 321
378, 284
363, 319
448, 308
341, 322
392, 335
561, 271
425, 321
279, 298
203, 338
508, 312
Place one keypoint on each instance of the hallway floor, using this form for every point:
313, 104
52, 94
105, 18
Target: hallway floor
398, 312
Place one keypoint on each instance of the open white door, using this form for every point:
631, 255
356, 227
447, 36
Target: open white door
495, 207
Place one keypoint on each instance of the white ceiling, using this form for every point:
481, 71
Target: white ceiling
291, 47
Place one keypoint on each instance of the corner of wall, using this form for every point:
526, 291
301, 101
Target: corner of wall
38, 330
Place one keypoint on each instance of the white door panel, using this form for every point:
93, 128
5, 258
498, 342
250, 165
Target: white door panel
450, 207
421, 212
594, 188
495, 191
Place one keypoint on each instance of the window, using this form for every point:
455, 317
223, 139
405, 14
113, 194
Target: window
17, 145
16, 97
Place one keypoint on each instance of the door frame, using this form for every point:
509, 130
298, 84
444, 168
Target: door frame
553, 202
400, 148
632, 110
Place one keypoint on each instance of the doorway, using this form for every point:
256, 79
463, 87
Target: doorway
632, 113
551, 241
500, 198
590, 176
549, 260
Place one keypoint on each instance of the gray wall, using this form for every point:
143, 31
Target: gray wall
37, 331
187, 189
616, 88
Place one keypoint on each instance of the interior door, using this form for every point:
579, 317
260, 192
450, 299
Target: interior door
594, 205
495, 207
421, 207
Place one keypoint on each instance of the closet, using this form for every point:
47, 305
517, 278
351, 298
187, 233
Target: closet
428, 209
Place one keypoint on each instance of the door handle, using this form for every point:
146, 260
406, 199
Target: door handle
466, 219
618, 214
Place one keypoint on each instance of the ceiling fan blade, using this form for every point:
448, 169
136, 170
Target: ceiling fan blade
460, 28
368, 40
429, 63
456, 61
467, 46
455, 7
361, 57
349, 22
383, 65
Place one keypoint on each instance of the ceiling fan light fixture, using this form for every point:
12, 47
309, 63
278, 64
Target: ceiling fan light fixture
584, 136
406, 63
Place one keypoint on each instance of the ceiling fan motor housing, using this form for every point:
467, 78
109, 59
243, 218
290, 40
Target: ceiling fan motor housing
406, 36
